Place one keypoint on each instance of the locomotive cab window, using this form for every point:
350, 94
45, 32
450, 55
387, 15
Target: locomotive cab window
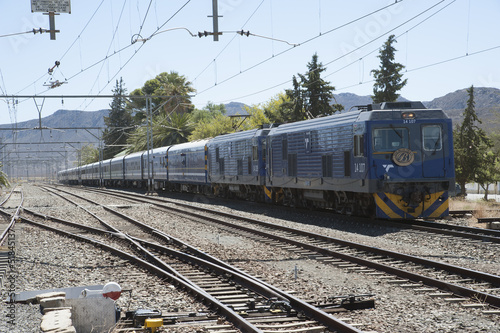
432, 138
359, 145
390, 139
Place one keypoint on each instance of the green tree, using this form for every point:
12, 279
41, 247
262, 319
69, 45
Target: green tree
489, 172
470, 143
208, 112
170, 112
293, 109
174, 88
167, 130
4, 180
218, 125
388, 78
88, 154
118, 123
276, 111
316, 92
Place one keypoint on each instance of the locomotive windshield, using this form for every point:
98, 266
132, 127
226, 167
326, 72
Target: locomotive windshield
390, 139
431, 136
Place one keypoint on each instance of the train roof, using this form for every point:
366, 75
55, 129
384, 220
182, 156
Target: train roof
395, 111
316, 123
188, 145
370, 112
240, 135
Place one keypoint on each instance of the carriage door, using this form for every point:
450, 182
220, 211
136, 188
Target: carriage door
432, 151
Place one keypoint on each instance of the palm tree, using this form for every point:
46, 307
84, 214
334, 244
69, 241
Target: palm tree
167, 130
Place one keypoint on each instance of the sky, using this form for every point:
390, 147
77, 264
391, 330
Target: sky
444, 45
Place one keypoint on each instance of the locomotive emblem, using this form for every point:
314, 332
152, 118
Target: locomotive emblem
403, 157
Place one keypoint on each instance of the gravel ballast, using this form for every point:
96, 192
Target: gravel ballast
45, 260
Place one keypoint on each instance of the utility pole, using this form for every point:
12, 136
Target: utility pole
51, 8
215, 18
149, 137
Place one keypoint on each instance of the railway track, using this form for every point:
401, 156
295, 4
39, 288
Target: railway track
235, 294
455, 284
7, 237
471, 233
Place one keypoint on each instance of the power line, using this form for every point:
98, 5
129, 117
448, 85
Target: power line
33, 31
352, 51
136, 51
300, 44
69, 48
145, 16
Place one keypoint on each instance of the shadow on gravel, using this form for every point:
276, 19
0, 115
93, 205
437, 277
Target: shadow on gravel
323, 219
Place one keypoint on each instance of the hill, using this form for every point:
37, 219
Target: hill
487, 104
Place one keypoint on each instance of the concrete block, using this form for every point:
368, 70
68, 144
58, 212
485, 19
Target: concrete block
92, 314
47, 310
69, 329
52, 302
55, 321
50, 295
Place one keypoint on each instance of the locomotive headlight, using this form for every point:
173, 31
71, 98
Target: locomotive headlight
408, 115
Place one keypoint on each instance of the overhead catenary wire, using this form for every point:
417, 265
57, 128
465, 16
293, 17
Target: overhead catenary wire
70, 47
301, 44
352, 51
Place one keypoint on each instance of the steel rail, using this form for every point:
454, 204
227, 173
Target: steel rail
5, 233
488, 235
8, 196
239, 322
222, 268
443, 285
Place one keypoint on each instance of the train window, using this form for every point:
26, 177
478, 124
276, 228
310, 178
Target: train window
221, 166
292, 165
432, 137
284, 147
239, 167
255, 153
390, 139
359, 145
327, 165
217, 156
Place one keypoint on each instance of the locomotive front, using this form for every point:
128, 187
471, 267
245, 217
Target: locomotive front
409, 159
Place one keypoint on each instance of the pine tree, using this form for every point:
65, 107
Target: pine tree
388, 79
294, 109
470, 143
317, 92
312, 96
118, 122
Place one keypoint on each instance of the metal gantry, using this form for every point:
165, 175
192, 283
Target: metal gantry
9, 160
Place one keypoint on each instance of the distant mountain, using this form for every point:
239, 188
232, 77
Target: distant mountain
349, 100
29, 151
487, 104
234, 108
29, 131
